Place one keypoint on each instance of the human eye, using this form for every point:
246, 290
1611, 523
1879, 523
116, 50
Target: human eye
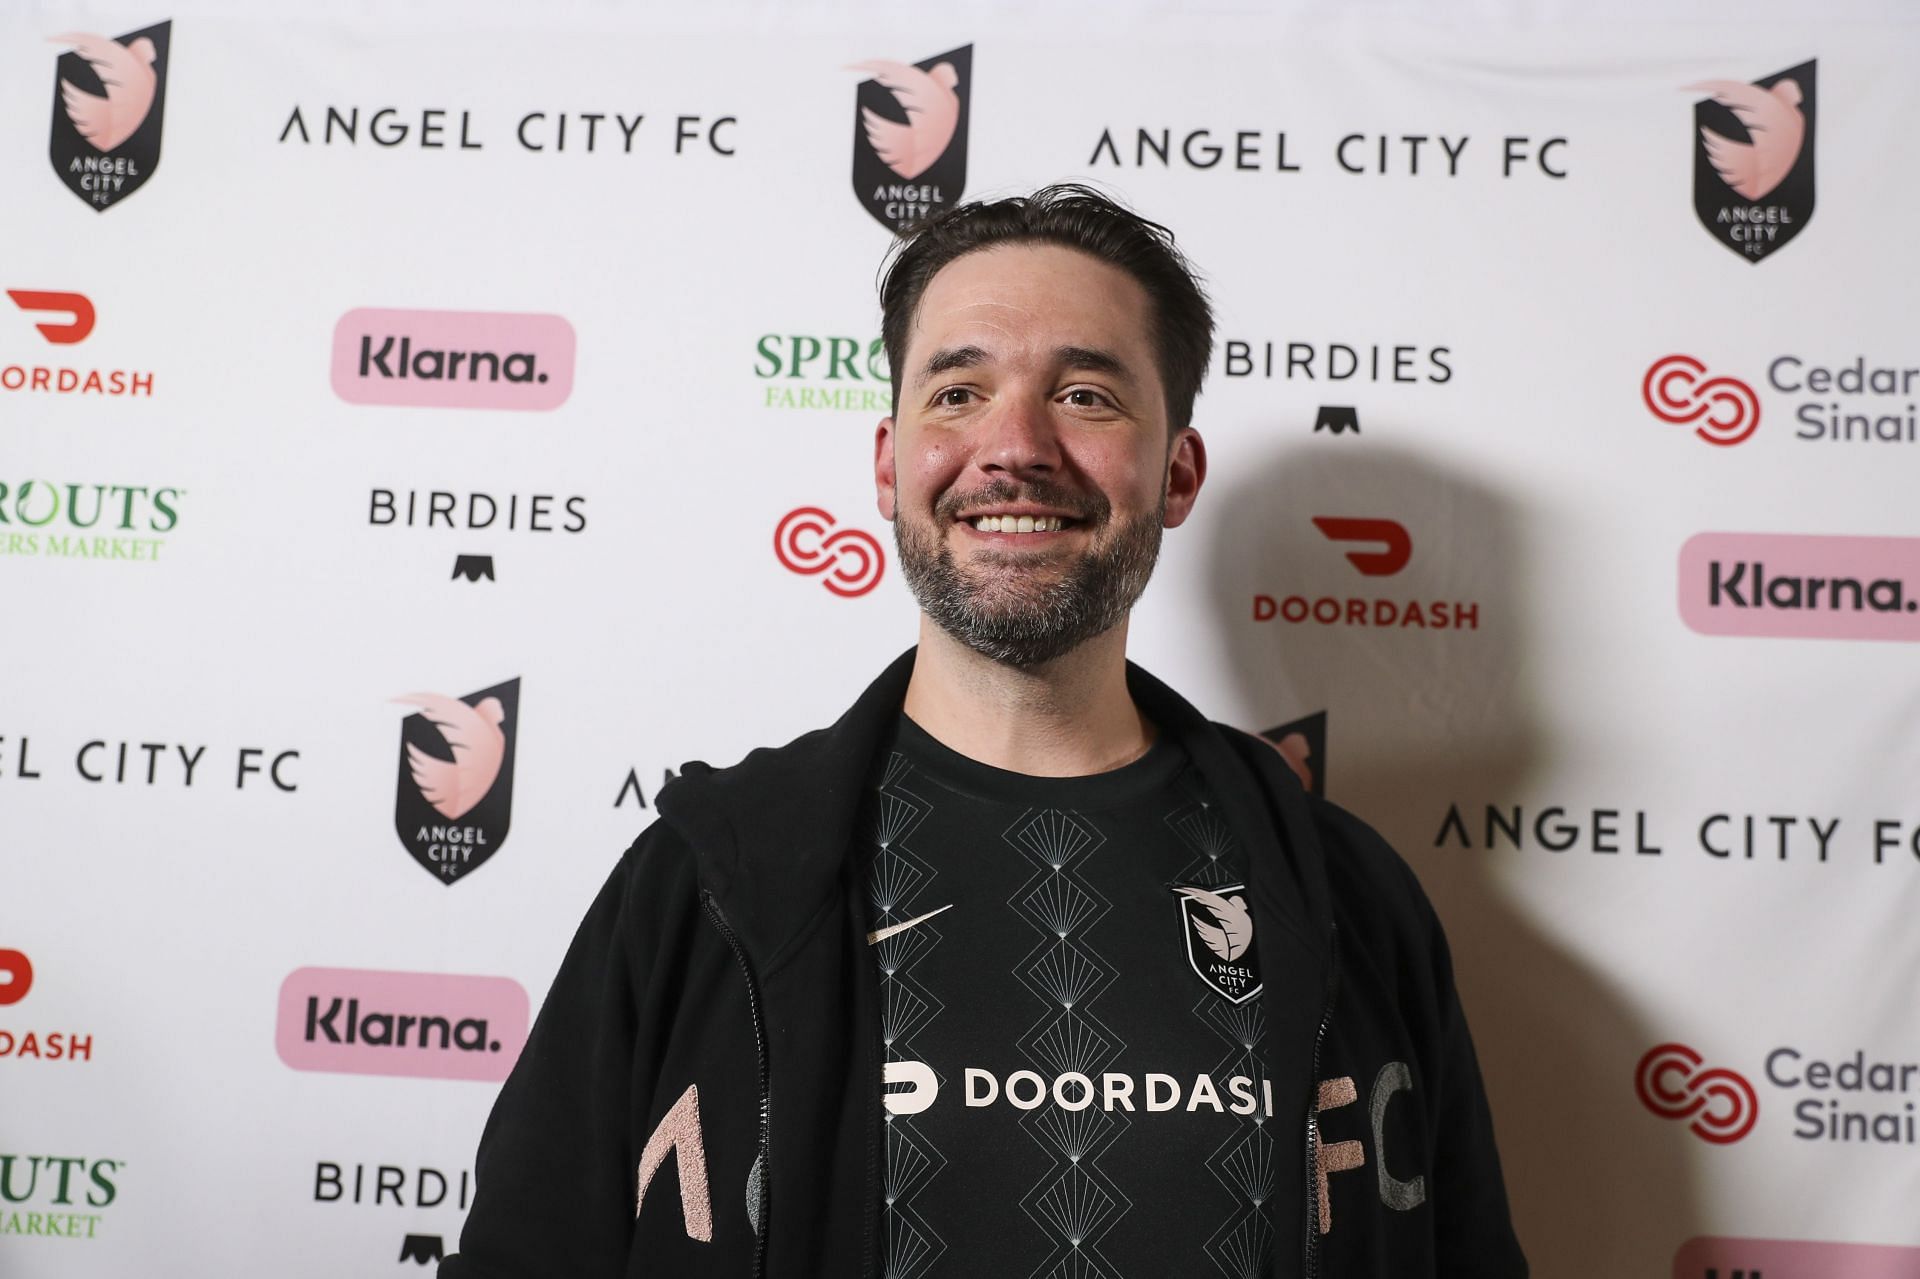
952, 397
1087, 397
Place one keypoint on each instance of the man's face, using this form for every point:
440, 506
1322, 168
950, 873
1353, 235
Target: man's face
1031, 399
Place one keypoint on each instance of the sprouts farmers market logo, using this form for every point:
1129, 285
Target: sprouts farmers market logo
109, 97
1801, 586
86, 521
454, 798
1753, 159
56, 1196
359, 1021
805, 371
910, 136
453, 359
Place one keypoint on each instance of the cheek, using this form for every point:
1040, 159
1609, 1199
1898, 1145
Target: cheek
931, 470
1126, 473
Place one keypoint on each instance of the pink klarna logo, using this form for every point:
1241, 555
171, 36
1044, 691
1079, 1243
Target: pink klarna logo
360, 1021
453, 359
1803, 586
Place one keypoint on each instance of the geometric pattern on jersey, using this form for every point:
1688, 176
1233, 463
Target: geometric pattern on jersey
1049, 940
1244, 1162
1076, 1203
896, 877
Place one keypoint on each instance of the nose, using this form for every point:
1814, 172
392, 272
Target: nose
1018, 440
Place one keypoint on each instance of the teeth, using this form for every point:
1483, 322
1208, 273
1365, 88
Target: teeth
1019, 523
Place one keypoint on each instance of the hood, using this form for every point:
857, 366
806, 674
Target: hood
772, 833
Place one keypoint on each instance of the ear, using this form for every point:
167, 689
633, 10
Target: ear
1186, 472
883, 474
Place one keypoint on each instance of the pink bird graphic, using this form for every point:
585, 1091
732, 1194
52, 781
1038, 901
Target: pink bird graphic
1773, 117
1298, 752
479, 746
126, 70
1232, 930
933, 113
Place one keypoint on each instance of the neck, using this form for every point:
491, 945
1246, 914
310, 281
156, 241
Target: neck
1069, 718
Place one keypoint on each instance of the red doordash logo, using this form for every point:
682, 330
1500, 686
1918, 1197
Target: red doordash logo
75, 306
1677, 389
851, 558
16, 979
360, 1021
63, 320
1674, 1083
1379, 548
1396, 548
16, 976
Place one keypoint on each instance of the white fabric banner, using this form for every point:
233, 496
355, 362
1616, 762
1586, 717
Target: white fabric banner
379, 380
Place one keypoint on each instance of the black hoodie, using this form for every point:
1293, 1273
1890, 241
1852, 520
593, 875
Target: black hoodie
720, 992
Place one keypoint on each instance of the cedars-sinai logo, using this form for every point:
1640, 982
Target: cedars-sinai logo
910, 136
455, 790
108, 99
1753, 159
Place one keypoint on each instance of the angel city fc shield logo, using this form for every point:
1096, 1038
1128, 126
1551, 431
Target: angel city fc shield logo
1753, 159
910, 136
1218, 926
108, 99
455, 790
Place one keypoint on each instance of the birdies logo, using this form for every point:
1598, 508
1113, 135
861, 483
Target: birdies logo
108, 100
1753, 159
910, 136
455, 792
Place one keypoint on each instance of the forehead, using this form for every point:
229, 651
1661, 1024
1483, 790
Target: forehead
1017, 299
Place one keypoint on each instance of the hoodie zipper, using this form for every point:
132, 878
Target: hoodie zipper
712, 908
1312, 1267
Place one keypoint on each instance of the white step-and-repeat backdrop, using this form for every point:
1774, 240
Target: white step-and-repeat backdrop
515, 368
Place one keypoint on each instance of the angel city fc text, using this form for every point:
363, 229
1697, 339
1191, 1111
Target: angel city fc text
1252, 151
440, 129
152, 763
1724, 836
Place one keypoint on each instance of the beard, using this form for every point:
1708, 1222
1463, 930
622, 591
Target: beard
1018, 607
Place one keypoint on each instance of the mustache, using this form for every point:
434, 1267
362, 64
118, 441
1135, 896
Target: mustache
1092, 508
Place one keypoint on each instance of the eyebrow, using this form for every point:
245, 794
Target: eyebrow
1088, 359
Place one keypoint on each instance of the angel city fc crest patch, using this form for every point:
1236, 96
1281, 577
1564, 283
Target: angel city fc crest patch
455, 790
910, 136
109, 97
1218, 926
1753, 159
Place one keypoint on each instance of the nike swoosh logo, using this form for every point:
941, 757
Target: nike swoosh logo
881, 934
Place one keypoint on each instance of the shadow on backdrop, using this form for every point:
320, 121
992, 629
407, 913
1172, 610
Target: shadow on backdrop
1417, 719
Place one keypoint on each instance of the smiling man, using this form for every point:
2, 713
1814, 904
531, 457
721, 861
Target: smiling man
1022, 967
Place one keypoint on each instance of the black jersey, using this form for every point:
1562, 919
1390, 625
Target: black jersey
1069, 1004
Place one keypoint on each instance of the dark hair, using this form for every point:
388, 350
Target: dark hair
1077, 217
